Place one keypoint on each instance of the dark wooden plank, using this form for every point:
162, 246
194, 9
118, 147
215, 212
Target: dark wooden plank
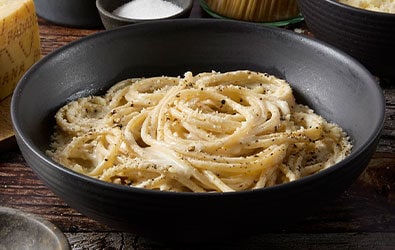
21, 189
361, 218
262, 241
386, 143
368, 206
54, 36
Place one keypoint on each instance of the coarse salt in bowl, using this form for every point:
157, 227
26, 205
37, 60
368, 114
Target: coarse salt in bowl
116, 13
147, 9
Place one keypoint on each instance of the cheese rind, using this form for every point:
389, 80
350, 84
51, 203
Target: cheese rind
19, 42
7, 138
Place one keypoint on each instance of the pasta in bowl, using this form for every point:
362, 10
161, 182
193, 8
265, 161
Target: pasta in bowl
220, 132
83, 77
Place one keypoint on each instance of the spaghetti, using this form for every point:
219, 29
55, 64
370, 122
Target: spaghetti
212, 132
255, 10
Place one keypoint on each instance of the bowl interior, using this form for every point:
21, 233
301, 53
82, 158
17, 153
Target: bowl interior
336, 86
108, 6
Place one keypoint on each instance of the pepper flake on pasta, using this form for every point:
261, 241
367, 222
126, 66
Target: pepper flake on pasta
210, 132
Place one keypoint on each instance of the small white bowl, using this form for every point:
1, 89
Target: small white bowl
110, 20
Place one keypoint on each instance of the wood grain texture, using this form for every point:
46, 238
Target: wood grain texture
363, 217
263, 241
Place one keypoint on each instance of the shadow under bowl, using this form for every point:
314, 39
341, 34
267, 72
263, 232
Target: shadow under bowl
329, 81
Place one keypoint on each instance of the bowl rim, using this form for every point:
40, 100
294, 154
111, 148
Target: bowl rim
55, 232
109, 14
22, 138
371, 13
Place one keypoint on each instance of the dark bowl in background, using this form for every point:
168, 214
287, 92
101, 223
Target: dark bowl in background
110, 20
368, 36
335, 85
72, 13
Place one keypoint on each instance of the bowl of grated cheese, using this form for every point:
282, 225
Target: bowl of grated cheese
362, 28
123, 12
384, 6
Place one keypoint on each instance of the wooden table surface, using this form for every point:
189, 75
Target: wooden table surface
361, 218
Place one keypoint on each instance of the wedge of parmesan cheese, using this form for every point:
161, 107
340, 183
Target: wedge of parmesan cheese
7, 138
19, 42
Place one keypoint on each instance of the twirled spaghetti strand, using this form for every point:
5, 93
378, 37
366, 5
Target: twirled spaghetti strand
212, 132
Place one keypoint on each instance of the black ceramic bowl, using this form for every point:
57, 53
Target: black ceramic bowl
332, 83
73, 13
111, 20
366, 35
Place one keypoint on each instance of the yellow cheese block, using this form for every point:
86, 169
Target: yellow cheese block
7, 139
19, 42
